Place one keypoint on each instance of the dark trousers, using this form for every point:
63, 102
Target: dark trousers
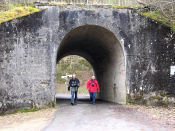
74, 96
92, 96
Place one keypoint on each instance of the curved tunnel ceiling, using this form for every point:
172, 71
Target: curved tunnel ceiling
103, 51
94, 43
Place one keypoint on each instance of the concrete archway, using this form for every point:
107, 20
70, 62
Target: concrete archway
103, 50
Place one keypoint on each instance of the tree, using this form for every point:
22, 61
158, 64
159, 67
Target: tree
166, 8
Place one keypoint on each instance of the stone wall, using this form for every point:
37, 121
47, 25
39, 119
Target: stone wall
29, 45
25, 64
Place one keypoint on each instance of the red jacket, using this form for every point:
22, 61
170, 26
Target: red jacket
93, 86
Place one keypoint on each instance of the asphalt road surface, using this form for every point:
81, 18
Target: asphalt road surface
102, 116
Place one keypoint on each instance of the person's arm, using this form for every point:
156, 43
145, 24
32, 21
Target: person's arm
88, 85
98, 88
78, 83
69, 85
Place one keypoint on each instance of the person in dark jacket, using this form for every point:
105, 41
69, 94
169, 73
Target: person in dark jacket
74, 84
93, 87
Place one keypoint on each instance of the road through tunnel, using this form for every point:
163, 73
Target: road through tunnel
103, 51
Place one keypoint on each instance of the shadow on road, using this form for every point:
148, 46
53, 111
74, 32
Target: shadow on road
64, 99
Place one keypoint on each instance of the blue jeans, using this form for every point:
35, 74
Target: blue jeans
92, 95
73, 99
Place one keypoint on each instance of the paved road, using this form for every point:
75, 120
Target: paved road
100, 117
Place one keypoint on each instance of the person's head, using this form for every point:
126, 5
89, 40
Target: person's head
74, 76
93, 77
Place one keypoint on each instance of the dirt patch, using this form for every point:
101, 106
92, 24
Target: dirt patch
29, 121
165, 116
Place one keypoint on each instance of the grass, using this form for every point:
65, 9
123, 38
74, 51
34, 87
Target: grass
28, 110
155, 15
83, 90
157, 97
125, 6
52, 105
16, 12
53, 3
61, 88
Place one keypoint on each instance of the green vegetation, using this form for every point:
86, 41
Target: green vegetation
16, 11
110, 2
28, 110
157, 97
165, 103
73, 64
155, 15
53, 3
128, 99
125, 6
170, 95
138, 97
59, 80
85, 63
52, 105
162, 93
83, 90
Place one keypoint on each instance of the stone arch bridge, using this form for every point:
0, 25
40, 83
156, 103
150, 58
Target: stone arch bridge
129, 53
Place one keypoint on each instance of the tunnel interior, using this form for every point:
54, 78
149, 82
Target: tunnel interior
104, 52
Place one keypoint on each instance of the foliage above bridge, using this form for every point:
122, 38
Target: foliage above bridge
17, 11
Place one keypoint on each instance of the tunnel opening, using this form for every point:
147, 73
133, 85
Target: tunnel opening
103, 51
68, 66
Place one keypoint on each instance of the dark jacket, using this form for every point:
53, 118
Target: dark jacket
74, 83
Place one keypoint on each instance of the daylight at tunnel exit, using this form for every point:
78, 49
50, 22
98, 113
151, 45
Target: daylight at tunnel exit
99, 65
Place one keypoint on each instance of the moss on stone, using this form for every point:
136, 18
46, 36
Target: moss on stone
137, 97
28, 110
54, 104
128, 98
17, 12
58, 4
165, 103
157, 97
170, 95
155, 15
125, 6
141, 92
51, 105
162, 93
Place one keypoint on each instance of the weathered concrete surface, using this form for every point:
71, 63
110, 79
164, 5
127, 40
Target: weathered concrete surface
101, 48
128, 52
100, 117
25, 65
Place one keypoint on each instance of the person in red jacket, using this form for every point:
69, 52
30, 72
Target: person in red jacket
93, 87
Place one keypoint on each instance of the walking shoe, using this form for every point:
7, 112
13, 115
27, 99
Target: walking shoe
72, 104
